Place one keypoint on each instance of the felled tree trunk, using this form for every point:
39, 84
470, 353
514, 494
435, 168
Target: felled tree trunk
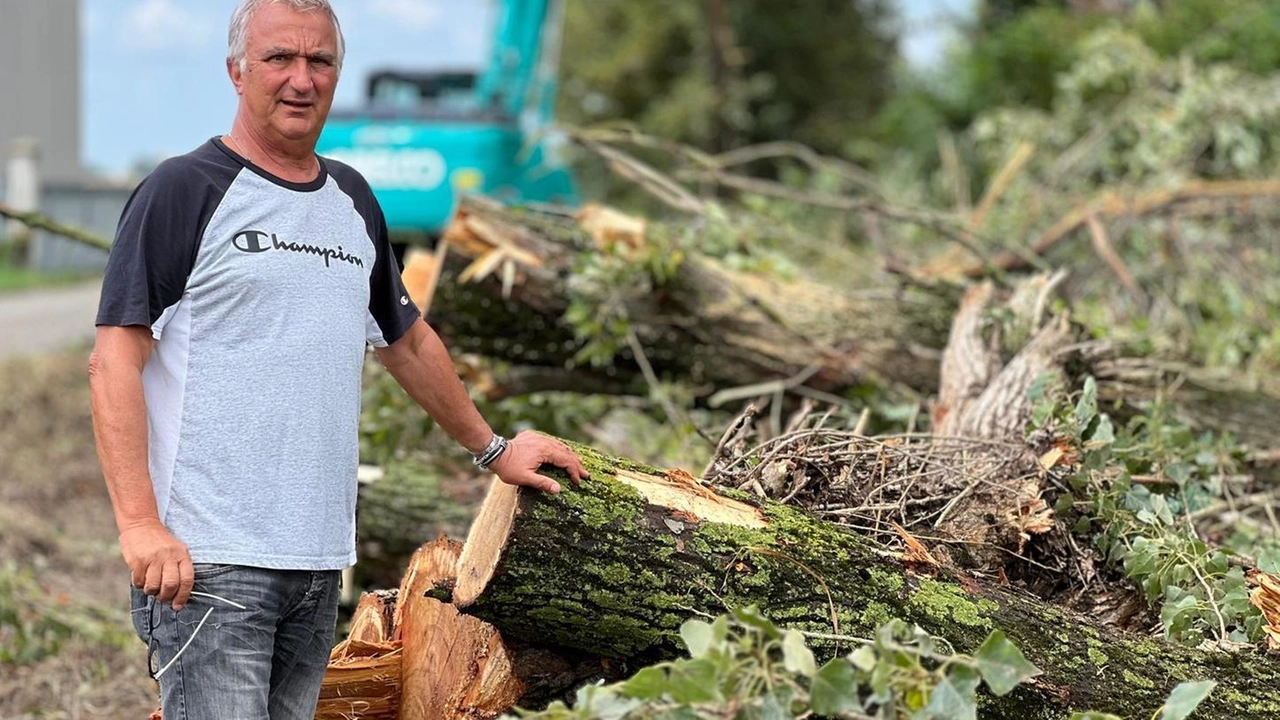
506, 289
708, 324
410, 502
615, 565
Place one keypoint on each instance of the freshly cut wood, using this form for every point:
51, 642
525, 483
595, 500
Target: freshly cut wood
454, 666
363, 678
362, 681
613, 568
371, 622
447, 666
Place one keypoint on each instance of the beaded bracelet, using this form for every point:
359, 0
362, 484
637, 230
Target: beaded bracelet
491, 452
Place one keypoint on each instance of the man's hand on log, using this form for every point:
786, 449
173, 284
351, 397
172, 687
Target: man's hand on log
530, 450
159, 564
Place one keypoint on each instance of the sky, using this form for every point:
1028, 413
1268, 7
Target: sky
155, 85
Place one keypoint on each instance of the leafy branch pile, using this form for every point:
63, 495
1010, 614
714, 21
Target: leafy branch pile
1140, 489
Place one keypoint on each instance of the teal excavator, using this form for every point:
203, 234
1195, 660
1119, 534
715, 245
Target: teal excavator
424, 138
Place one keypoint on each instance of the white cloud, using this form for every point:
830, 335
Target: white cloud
165, 25
416, 15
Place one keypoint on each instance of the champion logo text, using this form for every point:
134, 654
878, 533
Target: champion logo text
257, 241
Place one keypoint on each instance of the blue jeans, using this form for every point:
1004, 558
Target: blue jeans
262, 661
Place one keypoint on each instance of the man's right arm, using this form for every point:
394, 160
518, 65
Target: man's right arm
158, 562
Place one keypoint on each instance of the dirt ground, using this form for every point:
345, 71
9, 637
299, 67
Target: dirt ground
56, 527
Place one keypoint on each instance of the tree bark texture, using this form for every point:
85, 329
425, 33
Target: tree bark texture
613, 567
708, 324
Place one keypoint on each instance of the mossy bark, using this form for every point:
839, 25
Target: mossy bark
709, 324
600, 569
397, 513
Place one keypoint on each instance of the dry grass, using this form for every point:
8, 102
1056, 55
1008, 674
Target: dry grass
58, 525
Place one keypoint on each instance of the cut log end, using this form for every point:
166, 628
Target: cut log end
485, 542
432, 563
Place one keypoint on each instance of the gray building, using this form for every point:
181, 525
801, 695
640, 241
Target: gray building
40, 98
40, 82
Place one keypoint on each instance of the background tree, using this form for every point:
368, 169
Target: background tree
719, 74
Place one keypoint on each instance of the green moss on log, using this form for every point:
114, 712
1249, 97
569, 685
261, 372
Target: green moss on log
598, 568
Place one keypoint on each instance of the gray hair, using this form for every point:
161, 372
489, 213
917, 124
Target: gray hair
238, 33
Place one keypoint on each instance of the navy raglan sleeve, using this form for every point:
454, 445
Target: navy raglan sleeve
391, 312
153, 252
390, 309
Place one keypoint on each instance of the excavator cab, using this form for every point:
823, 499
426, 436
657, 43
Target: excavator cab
423, 138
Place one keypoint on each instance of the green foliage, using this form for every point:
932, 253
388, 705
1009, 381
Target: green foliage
35, 625
1017, 63
742, 666
1243, 33
1185, 699
390, 420
1129, 121
1137, 487
813, 72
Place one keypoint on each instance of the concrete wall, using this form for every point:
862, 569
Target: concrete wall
40, 81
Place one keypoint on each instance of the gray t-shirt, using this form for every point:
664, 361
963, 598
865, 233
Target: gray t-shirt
261, 295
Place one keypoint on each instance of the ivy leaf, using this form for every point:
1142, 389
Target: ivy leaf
949, 702
834, 689
1002, 664
774, 708
698, 636
1185, 698
796, 656
694, 681
1103, 435
1176, 616
1178, 472
648, 684
1087, 407
603, 703
864, 658
750, 616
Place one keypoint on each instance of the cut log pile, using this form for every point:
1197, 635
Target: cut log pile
551, 591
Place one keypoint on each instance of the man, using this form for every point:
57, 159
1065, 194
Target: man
245, 280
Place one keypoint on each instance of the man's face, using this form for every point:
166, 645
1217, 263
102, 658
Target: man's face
291, 69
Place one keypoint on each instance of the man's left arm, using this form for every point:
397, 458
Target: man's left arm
420, 363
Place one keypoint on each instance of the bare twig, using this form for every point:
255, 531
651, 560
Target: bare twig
674, 415
787, 148
1102, 246
643, 174
767, 387
1114, 204
1001, 182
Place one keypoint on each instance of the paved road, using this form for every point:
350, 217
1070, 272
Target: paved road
33, 322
